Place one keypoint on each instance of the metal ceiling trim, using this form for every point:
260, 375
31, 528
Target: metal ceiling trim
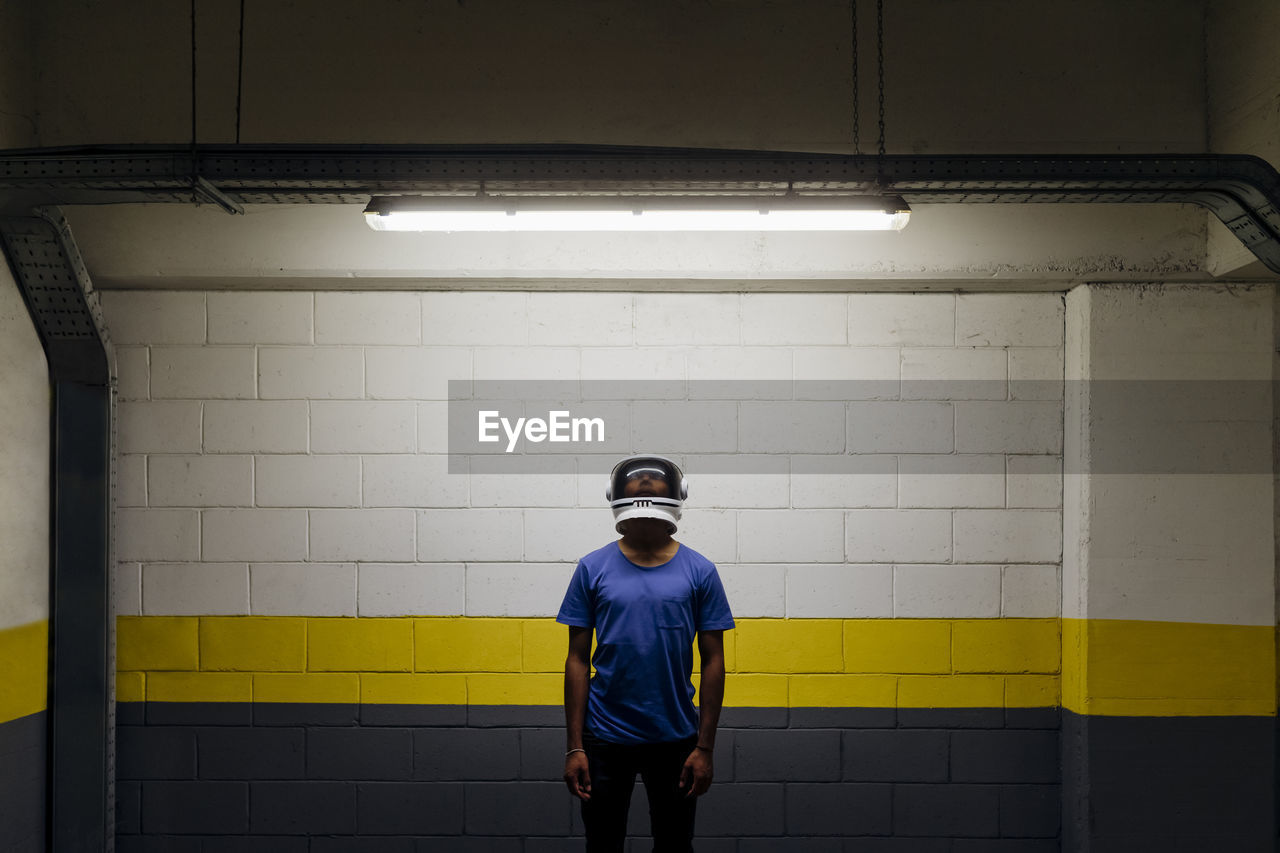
1243, 191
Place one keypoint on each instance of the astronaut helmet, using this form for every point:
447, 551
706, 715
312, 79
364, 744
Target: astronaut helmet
646, 486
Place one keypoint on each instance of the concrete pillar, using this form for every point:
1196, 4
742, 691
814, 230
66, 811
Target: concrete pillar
1169, 686
24, 572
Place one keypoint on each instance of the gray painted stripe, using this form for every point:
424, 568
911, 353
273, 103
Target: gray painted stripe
23, 757
1176, 783
494, 772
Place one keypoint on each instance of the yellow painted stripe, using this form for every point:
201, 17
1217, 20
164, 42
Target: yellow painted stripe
24, 670
306, 687
1121, 667
131, 686
1098, 667
405, 688
199, 687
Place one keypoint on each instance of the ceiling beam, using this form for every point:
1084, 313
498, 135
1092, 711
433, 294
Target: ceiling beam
1242, 191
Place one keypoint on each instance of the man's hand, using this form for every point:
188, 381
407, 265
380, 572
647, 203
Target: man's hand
695, 776
577, 776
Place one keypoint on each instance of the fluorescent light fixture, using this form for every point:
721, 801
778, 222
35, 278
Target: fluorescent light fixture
637, 213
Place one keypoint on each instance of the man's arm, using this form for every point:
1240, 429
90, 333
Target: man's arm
698, 767
577, 681
711, 687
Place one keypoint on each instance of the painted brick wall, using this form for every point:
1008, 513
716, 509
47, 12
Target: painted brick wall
283, 469
271, 438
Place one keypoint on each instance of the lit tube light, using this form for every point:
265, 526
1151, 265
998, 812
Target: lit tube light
622, 213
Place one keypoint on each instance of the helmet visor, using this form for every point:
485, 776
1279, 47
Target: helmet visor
646, 478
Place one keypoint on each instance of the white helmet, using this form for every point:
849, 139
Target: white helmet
644, 486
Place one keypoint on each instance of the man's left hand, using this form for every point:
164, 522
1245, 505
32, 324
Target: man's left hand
695, 776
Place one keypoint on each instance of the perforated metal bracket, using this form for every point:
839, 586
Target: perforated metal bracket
55, 285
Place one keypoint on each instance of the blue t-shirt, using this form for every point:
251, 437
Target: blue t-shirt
645, 618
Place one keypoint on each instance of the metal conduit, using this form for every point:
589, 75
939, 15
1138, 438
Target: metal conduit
1242, 191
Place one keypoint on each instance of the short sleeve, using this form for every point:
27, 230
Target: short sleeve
578, 606
713, 604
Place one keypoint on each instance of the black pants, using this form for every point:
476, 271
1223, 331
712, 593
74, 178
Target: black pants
613, 768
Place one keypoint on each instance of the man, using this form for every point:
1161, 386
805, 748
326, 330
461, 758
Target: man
646, 596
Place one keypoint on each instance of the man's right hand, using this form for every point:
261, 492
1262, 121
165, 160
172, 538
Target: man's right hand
577, 775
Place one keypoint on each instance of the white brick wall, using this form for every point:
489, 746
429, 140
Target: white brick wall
614, 363
411, 589
889, 427
1009, 427
202, 373
260, 318
363, 534
1010, 319
325, 373
756, 589
791, 427
687, 319
285, 453
131, 480
844, 482
839, 591
157, 534
1034, 481
126, 589
713, 533
1030, 591
132, 373
1008, 535
898, 535
154, 317
791, 535
1035, 373
580, 319
490, 535
302, 589
893, 320
200, 481
551, 486
307, 481
925, 592
358, 427
160, 427
412, 481
951, 481
954, 374
253, 426
254, 534
475, 319
368, 318
195, 589
414, 373
564, 535
874, 364
779, 319
769, 489
516, 589
756, 363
